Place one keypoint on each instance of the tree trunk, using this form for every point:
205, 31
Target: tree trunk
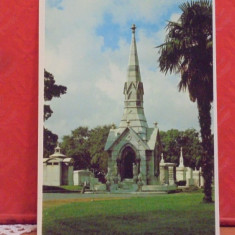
204, 107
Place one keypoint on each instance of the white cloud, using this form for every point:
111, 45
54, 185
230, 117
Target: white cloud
95, 74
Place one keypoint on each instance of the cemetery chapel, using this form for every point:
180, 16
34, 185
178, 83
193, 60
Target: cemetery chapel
134, 148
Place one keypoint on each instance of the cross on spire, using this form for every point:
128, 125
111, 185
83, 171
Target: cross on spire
133, 28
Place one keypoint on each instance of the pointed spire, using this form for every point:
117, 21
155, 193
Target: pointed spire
133, 90
133, 66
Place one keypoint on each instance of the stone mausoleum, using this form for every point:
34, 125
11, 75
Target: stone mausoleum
135, 161
134, 148
57, 169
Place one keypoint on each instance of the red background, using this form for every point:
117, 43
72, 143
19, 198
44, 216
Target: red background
18, 110
225, 46
19, 105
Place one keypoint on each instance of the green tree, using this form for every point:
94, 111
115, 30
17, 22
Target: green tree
50, 90
76, 146
99, 157
173, 140
86, 147
171, 145
188, 50
49, 142
192, 148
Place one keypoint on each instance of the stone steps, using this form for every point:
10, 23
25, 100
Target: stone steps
158, 188
127, 184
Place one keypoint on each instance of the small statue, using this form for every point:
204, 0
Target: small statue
162, 159
135, 173
108, 175
84, 187
140, 182
108, 184
119, 178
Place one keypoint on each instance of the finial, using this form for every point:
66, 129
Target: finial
133, 28
113, 126
155, 124
128, 123
57, 148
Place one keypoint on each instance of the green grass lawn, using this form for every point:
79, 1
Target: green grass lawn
182, 213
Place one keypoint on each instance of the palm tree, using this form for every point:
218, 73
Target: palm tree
188, 50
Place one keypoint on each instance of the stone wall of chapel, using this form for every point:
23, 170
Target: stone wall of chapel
150, 166
143, 170
157, 159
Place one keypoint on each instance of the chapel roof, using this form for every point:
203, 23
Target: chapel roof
115, 136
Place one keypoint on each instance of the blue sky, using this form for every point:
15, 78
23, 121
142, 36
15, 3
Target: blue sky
87, 50
112, 32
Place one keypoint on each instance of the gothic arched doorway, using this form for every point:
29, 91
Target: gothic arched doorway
127, 159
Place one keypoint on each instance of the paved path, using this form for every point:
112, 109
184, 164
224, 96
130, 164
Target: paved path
57, 196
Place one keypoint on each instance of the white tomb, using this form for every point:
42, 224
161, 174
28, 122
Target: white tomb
57, 169
82, 176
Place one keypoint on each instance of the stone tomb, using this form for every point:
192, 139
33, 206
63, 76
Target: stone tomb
134, 149
187, 175
57, 169
84, 176
135, 162
181, 170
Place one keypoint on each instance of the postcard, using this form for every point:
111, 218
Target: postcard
129, 127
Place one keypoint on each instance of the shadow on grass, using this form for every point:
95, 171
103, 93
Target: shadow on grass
132, 224
157, 215
62, 189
